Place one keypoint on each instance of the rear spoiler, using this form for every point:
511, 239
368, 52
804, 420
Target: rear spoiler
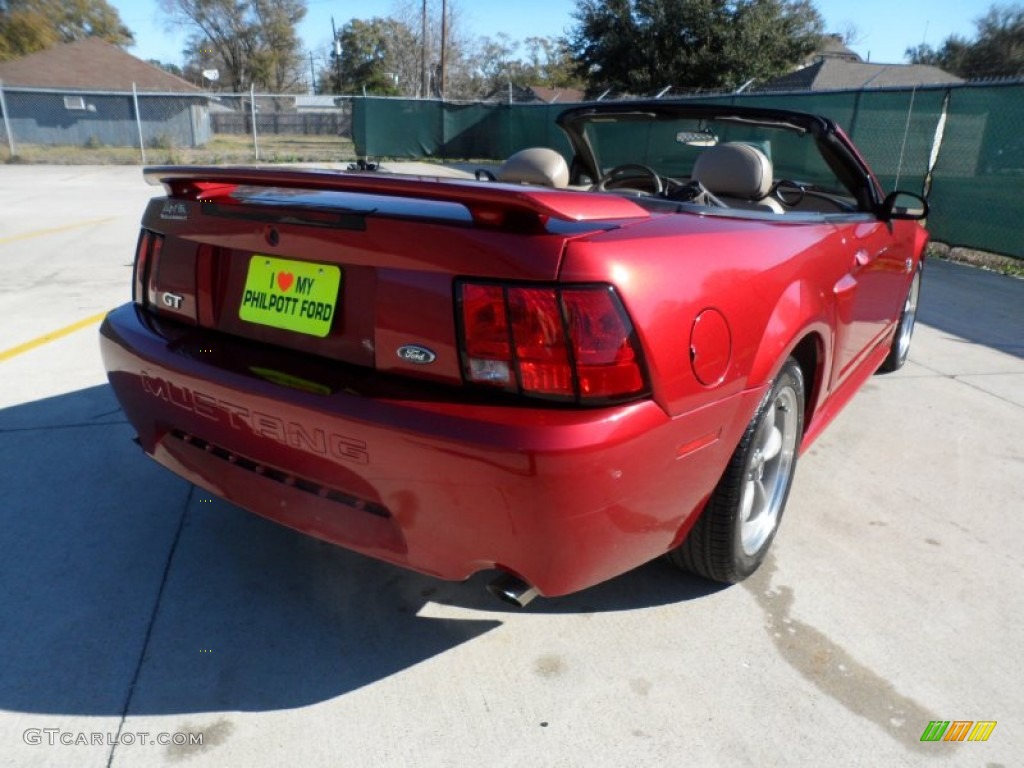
489, 203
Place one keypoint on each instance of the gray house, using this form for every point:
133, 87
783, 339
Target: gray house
82, 93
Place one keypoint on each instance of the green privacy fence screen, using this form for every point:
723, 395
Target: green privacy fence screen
977, 194
962, 146
445, 130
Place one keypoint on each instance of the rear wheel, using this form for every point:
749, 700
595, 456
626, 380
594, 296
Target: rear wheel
736, 528
905, 328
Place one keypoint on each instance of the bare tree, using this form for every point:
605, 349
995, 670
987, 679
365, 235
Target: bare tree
252, 41
447, 18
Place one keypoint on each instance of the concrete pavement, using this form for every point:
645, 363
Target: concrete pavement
132, 603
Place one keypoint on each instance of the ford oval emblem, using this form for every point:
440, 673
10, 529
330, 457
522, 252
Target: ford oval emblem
413, 353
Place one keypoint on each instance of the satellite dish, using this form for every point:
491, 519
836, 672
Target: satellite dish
211, 74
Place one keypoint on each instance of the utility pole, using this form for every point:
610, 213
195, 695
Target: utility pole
444, 44
423, 54
336, 53
312, 74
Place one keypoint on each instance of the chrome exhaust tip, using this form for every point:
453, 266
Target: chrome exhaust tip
511, 589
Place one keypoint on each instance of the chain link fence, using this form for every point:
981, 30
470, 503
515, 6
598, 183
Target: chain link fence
959, 145
60, 126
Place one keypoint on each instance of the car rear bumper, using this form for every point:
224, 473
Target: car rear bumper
424, 478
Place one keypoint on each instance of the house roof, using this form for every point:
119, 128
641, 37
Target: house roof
89, 64
833, 47
532, 94
557, 95
833, 74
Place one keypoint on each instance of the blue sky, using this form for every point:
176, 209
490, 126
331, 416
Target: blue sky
887, 27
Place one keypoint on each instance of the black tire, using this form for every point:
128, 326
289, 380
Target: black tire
905, 327
736, 528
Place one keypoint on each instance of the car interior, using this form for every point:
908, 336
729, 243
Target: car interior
732, 175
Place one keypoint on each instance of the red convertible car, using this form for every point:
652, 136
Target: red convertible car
556, 372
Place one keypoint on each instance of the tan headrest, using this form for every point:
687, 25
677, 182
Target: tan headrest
536, 165
736, 170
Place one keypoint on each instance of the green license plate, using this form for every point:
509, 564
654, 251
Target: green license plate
297, 296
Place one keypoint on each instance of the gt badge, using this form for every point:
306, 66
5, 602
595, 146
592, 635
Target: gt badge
174, 210
172, 300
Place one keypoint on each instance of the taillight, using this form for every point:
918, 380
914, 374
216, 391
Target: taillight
573, 343
486, 345
541, 351
147, 254
606, 358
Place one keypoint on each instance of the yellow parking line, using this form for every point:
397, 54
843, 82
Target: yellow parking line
54, 230
7, 354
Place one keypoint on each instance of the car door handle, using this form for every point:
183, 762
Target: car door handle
861, 258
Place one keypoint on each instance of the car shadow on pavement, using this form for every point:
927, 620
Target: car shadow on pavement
974, 305
126, 589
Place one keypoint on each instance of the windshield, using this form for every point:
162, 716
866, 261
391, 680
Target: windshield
671, 145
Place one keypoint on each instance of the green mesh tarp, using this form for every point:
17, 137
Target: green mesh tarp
396, 127
974, 193
409, 128
895, 131
533, 125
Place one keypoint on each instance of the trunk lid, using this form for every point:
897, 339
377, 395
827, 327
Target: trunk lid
353, 267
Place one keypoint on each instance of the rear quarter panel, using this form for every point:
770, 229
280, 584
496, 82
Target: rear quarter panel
771, 280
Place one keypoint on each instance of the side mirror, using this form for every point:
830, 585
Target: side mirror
903, 205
